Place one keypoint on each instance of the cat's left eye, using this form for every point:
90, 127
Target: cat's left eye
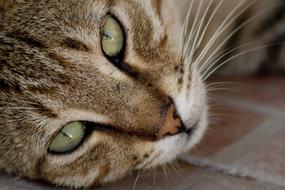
112, 38
68, 138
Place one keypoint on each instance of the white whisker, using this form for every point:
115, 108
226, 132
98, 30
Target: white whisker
206, 65
195, 28
136, 181
209, 22
224, 25
197, 37
226, 39
185, 27
220, 56
235, 56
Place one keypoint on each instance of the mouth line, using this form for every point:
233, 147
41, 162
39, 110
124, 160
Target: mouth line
192, 129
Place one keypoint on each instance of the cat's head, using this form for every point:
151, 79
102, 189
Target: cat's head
91, 90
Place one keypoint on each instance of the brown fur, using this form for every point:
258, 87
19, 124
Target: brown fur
52, 69
53, 72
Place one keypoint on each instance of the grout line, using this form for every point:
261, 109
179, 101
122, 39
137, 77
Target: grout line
222, 169
240, 169
205, 164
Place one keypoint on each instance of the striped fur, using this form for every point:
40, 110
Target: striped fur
53, 72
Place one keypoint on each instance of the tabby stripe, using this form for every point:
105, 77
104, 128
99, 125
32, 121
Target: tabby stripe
39, 166
157, 7
75, 44
41, 108
273, 19
115, 129
1, 16
129, 71
31, 41
7, 86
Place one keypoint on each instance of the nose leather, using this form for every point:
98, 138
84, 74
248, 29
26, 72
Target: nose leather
171, 124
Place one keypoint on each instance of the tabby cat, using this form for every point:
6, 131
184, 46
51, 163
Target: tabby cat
91, 90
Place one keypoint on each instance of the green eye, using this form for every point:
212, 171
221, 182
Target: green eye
68, 138
112, 37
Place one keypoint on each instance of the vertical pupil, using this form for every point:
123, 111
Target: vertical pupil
109, 34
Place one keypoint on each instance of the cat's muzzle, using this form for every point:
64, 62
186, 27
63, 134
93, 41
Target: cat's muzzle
173, 124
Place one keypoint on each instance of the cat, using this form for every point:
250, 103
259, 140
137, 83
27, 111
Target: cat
91, 91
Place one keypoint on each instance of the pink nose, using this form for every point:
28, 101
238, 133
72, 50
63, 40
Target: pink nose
172, 123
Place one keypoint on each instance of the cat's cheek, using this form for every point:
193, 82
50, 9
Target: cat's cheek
135, 159
78, 181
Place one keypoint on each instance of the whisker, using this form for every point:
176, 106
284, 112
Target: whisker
226, 39
221, 86
224, 25
222, 83
222, 55
185, 27
136, 181
237, 55
154, 174
197, 27
164, 170
199, 33
205, 64
189, 38
221, 89
176, 170
209, 21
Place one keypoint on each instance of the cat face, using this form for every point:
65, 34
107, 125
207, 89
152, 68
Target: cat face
93, 90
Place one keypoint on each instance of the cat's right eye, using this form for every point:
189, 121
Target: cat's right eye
112, 38
68, 138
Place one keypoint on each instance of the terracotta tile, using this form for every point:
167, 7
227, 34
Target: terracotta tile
268, 91
160, 178
229, 126
260, 154
205, 180
11, 182
189, 178
178, 176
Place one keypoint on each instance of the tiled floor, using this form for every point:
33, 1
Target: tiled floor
244, 149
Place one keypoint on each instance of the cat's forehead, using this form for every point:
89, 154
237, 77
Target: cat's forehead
133, 14
52, 18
